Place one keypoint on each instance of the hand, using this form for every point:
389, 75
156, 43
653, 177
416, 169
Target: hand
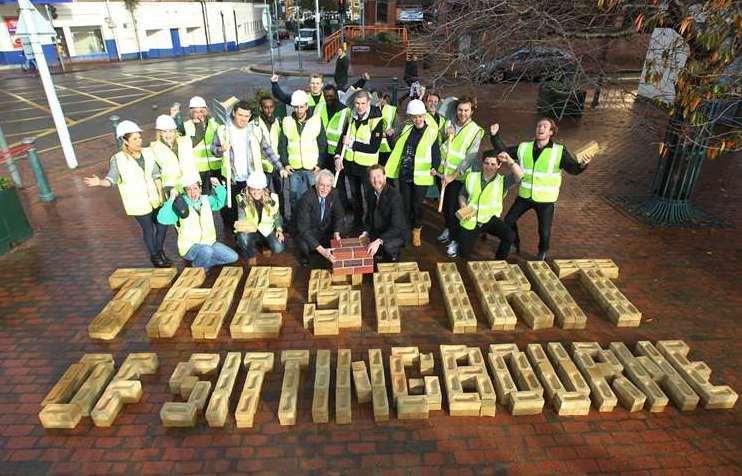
214, 181
336, 235
450, 131
173, 193
288, 170
504, 158
366, 76
174, 110
348, 141
284, 172
494, 129
373, 248
389, 132
93, 181
327, 254
433, 172
338, 163
363, 235
274, 78
280, 236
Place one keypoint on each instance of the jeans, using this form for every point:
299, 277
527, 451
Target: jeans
153, 232
299, 182
468, 238
544, 213
247, 243
206, 256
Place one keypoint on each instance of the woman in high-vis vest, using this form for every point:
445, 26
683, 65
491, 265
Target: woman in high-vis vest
172, 153
202, 130
459, 152
259, 219
542, 161
135, 172
413, 163
193, 217
480, 205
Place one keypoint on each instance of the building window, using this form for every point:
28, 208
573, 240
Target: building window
88, 40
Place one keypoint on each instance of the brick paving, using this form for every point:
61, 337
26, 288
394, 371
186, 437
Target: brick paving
685, 281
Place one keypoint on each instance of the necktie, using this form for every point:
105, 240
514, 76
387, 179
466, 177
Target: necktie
321, 208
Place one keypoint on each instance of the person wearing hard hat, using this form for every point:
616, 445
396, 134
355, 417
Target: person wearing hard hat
542, 161
191, 213
172, 153
459, 151
259, 219
481, 199
242, 146
202, 130
135, 172
361, 143
413, 163
302, 146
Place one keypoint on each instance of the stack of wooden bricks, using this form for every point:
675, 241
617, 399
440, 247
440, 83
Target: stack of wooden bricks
265, 293
332, 304
398, 284
352, 257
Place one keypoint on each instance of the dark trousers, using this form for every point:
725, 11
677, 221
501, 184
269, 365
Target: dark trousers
229, 214
412, 201
389, 251
544, 213
153, 232
358, 188
468, 238
451, 205
306, 252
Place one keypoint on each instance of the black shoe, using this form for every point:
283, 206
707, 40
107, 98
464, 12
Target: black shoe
541, 256
165, 259
303, 262
157, 261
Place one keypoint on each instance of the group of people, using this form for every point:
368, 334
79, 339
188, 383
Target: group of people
334, 152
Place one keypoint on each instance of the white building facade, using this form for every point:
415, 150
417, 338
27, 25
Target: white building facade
107, 31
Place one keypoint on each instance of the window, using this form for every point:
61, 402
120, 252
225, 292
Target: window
87, 40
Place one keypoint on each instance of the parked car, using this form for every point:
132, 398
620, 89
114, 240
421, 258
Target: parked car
306, 39
530, 64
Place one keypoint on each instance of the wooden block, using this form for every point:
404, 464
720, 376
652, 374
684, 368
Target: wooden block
116, 394
588, 150
60, 415
249, 400
199, 395
216, 412
68, 383
361, 381
433, 392
630, 397
412, 407
343, 410
178, 415
379, 396
676, 388
321, 398
427, 364
93, 387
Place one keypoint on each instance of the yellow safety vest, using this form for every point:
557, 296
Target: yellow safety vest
430, 120
318, 108
388, 114
423, 156
362, 134
197, 228
335, 128
273, 134
302, 148
205, 160
542, 178
486, 203
169, 160
267, 219
254, 144
453, 151
139, 191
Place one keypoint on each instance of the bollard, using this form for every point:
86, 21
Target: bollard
115, 122
45, 192
12, 168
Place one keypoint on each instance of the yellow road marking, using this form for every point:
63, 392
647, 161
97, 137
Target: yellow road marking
77, 102
83, 93
115, 84
86, 111
26, 101
26, 119
125, 95
29, 133
150, 77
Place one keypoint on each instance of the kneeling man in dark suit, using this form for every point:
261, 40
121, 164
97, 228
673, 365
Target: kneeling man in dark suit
319, 217
384, 223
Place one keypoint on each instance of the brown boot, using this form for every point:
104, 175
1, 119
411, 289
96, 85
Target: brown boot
267, 252
416, 240
252, 261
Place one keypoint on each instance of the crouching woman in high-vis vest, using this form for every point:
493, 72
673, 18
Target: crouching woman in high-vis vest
259, 219
480, 205
191, 213
135, 172
413, 163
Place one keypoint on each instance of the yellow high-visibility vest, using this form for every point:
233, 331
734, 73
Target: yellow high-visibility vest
453, 151
362, 134
205, 160
423, 161
486, 202
542, 178
268, 218
139, 191
302, 149
197, 228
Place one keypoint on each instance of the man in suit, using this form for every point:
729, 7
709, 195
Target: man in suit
319, 217
384, 224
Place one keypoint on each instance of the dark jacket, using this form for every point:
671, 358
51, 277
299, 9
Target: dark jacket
308, 224
410, 71
384, 217
341, 72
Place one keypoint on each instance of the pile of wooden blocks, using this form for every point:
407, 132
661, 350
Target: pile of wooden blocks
184, 381
414, 398
398, 284
458, 307
211, 316
185, 295
550, 288
515, 381
265, 294
464, 370
331, 307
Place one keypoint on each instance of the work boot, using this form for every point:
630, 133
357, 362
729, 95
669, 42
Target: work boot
157, 261
541, 256
165, 259
416, 240
444, 237
252, 261
267, 252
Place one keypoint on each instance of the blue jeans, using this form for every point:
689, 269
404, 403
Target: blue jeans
206, 256
248, 241
299, 182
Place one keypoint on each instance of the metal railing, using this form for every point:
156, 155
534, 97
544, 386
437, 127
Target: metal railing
349, 33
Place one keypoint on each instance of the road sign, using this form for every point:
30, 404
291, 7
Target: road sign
30, 22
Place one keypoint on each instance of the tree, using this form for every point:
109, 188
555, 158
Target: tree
132, 5
471, 34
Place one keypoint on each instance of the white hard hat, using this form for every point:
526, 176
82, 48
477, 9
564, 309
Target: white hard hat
416, 107
126, 127
165, 123
189, 178
299, 98
257, 181
197, 101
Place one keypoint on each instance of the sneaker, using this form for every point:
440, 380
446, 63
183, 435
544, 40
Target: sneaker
453, 249
444, 237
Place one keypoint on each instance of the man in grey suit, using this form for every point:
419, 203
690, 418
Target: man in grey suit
319, 217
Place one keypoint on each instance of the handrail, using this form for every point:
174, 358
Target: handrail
335, 40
